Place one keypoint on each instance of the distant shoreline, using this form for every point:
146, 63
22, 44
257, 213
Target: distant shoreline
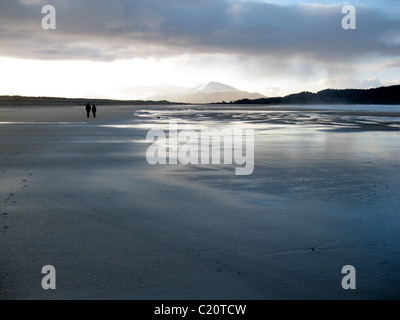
379, 96
375, 96
49, 101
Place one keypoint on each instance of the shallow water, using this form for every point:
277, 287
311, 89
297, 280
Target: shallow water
325, 134
338, 156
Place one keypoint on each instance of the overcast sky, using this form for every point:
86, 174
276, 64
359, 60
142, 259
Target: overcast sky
130, 49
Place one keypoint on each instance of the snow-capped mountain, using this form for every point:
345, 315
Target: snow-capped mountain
208, 93
213, 87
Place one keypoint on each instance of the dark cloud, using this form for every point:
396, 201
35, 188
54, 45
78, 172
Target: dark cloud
123, 29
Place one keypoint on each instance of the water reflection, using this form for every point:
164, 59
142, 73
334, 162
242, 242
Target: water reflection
292, 133
318, 155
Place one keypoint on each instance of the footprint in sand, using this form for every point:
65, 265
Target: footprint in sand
9, 197
4, 215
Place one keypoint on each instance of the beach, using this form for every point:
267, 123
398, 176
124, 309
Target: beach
78, 194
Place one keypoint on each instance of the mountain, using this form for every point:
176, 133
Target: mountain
214, 90
382, 95
209, 93
213, 87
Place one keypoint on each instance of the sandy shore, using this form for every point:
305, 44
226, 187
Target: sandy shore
78, 194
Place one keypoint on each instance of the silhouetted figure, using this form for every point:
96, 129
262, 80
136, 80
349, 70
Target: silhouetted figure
88, 109
94, 109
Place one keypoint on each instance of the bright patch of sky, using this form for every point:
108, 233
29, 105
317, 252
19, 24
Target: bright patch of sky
132, 49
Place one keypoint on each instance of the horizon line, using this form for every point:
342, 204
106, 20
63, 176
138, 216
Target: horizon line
163, 100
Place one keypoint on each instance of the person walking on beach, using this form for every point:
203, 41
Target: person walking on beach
88, 109
94, 109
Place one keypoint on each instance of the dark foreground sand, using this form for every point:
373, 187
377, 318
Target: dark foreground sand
78, 194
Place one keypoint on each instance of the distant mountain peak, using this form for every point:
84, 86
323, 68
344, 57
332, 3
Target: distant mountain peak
208, 93
214, 86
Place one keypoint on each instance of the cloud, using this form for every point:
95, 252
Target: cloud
392, 63
343, 83
105, 30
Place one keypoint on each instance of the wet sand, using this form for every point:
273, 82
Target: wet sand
78, 194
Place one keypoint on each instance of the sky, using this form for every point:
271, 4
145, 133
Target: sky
135, 49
